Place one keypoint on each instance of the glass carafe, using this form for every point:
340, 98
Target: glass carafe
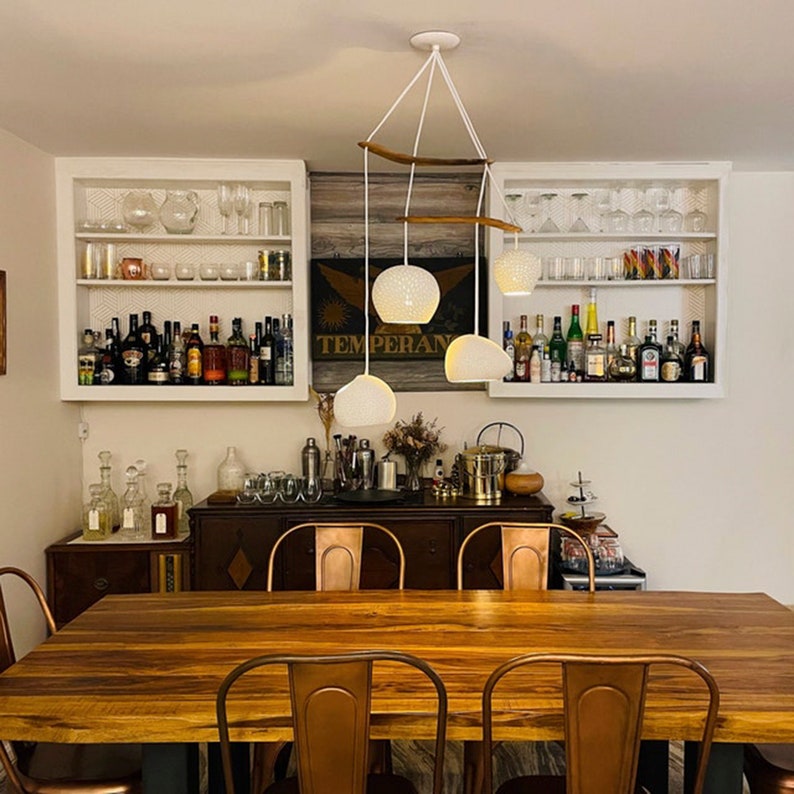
133, 519
182, 495
108, 494
96, 516
179, 211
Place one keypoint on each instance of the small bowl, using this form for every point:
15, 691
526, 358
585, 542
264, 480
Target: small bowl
161, 271
209, 272
229, 272
185, 271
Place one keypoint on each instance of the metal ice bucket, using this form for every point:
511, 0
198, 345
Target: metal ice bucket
481, 473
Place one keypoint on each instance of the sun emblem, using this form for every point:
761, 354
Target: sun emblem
333, 314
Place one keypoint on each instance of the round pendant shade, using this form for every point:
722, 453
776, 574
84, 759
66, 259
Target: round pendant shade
471, 358
366, 400
406, 294
516, 272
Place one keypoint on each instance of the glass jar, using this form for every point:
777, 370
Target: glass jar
96, 516
280, 225
179, 211
231, 472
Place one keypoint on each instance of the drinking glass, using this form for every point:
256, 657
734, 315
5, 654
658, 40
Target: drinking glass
642, 220
548, 226
602, 200
574, 268
289, 489
225, 204
311, 489
617, 219
596, 268
659, 202
671, 220
696, 220
579, 224
242, 203
554, 268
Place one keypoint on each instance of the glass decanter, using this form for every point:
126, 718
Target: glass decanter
179, 211
231, 472
164, 514
108, 494
96, 516
182, 495
140, 464
133, 519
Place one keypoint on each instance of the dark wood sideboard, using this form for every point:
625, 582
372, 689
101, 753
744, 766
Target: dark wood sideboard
229, 547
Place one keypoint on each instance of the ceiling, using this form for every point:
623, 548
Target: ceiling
559, 80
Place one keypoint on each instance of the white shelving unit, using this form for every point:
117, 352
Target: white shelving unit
93, 189
696, 186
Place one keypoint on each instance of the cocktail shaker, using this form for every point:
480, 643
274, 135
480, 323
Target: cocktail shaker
366, 458
387, 475
310, 459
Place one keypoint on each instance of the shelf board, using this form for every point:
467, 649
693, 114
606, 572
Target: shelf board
633, 283
215, 394
178, 239
632, 237
652, 391
100, 283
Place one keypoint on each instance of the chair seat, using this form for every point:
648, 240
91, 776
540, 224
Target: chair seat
535, 784
90, 768
376, 784
769, 767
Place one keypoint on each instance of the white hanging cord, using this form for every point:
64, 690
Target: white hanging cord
480, 198
461, 109
366, 261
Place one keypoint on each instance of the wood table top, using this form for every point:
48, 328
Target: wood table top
146, 668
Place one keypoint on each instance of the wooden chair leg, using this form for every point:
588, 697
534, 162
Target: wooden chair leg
263, 766
380, 762
473, 769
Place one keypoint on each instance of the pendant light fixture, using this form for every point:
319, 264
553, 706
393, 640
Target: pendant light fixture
366, 400
516, 271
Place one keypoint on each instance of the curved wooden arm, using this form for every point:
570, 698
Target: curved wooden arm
483, 220
409, 159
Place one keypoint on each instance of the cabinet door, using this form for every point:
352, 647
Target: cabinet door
231, 552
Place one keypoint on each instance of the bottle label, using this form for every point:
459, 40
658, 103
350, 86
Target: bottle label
576, 352
671, 371
107, 376
595, 365
697, 368
161, 524
265, 354
128, 518
194, 363
93, 520
649, 365
132, 358
157, 376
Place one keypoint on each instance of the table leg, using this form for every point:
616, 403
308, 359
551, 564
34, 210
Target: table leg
653, 765
724, 774
240, 765
170, 767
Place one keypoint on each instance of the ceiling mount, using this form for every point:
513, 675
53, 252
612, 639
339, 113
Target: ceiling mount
435, 39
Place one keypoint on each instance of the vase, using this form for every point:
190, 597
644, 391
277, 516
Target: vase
179, 211
413, 473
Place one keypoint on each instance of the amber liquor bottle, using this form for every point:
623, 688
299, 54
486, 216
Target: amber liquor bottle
267, 355
237, 355
214, 357
193, 357
697, 365
523, 351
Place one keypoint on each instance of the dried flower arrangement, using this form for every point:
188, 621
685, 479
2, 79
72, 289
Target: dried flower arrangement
416, 439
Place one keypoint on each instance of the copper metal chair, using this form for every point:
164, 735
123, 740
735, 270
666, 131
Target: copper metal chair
331, 698
525, 552
338, 553
769, 768
45, 768
604, 705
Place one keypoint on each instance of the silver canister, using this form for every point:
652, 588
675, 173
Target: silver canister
387, 475
366, 458
310, 459
108, 262
88, 260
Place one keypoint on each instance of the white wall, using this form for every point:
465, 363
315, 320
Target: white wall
696, 488
39, 451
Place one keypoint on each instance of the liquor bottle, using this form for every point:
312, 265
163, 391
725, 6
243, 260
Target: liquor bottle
508, 345
176, 356
632, 341
611, 348
539, 340
595, 360
157, 373
278, 367
287, 335
680, 347
649, 355
108, 494
253, 360
267, 355
697, 364
523, 351
558, 350
142, 468
563, 372
672, 368
182, 495
545, 367
148, 336
214, 357
96, 516
89, 359
133, 356
591, 326
237, 355
164, 514
534, 366
575, 342
193, 357
132, 516
623, 367
111, 356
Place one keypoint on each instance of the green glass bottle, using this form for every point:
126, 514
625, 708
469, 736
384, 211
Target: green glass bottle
575, 341
558, 350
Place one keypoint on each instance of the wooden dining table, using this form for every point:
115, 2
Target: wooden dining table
146, 668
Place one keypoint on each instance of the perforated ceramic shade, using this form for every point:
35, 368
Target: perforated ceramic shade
366, 400
471, 359
516, 272
406, 294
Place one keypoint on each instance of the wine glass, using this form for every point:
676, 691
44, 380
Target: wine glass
225, 204
660, 203
617, 219
642, 220
696, 220
671, 220
579, 225
242, 203
602, 200
548, 226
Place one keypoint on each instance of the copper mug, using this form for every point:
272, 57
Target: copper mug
132, 268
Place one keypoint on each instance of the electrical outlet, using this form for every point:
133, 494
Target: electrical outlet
82, 431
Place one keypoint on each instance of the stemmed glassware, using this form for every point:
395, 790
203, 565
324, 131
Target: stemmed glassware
602, 201
671, 220
642, 220
548, 226
617, 219
696, 220
242, 203
579, 224
225, 204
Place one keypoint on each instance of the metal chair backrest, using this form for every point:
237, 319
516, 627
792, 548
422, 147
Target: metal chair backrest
525, 554
604, 705
338, 553
330, 698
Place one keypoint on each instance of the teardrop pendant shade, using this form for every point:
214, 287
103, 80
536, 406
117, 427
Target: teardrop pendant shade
471, 358
366, 400
516, 272
406, 294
